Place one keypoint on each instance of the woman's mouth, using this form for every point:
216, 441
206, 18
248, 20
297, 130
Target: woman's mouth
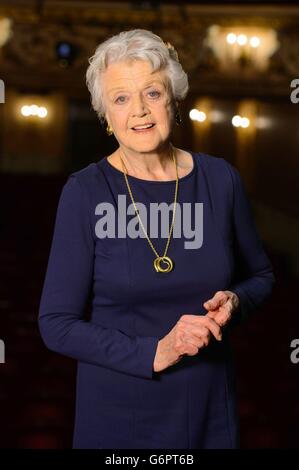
143, 128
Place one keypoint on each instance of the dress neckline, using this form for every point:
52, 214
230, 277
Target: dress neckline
120, 173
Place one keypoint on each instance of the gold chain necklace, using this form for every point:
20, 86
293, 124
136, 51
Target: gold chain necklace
159, 259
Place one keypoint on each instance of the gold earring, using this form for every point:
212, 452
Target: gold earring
109, 129
178, 118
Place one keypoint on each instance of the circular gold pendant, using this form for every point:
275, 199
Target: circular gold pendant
167, 261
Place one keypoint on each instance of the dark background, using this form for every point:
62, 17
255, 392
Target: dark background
37, 387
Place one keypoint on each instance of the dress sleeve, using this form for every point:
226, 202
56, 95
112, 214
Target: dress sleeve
254, 278
67, 286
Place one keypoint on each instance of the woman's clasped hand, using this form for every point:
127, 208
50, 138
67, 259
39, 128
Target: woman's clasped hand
193, 332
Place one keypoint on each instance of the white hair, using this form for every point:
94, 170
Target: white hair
136, 44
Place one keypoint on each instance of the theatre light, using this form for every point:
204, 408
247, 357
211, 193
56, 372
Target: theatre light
5, 30
196, 115
34, 110
239, 121
237, 47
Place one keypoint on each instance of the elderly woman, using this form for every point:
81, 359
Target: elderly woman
154, 362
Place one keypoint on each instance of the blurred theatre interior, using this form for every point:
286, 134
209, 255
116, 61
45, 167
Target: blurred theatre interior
243, 65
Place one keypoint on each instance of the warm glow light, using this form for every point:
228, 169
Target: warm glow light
242, 39
25, 111
245, 122
194, 114
230, 44
231, 38
201, 116
216, 116
236, 121
263, 122
197, 115
5, 30
34, 110
42, 112
255, 41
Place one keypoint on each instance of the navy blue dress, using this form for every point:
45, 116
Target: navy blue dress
104, 305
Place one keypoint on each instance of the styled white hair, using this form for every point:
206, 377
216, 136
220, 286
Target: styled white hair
136, 44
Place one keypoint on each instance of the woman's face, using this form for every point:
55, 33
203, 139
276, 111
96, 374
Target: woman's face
135, 96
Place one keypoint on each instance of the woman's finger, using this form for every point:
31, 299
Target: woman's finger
196, 341
207, 326
215, 302
223, 316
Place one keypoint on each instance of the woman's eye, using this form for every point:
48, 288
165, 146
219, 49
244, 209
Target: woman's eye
154, 94
120, 99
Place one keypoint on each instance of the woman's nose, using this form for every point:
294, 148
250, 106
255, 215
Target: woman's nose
139, 107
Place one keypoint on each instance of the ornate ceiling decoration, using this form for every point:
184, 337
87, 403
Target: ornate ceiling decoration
29, 56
